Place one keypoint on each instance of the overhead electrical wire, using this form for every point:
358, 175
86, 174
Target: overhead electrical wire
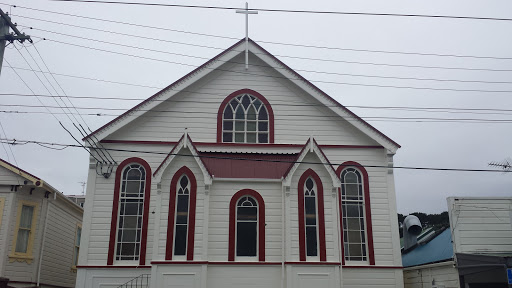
237, 38
24, 142
289, 10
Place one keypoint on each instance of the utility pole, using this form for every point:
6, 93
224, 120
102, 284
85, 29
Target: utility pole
5, 23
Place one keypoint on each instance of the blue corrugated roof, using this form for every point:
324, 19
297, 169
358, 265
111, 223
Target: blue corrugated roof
437, 249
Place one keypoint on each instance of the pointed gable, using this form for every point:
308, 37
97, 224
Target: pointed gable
270, 60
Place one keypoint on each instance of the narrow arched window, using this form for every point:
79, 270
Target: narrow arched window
245, 119
246, 226
310, 208
182, 211
131, 212
353, 215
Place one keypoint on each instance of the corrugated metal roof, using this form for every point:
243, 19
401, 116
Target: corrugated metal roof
244, 165
438, 249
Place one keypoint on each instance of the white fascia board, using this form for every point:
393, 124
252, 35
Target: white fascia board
166, 94
391, 147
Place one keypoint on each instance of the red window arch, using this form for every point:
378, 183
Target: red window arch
310, 174
232, 223
368, 214
115, 209
171, 223
259, 97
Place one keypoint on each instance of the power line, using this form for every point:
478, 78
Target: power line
235, 38
289, 10
23, 142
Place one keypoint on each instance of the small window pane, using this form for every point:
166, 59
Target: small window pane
128, 235
257, 104
246, 238
352, 190
262, 138
251, 126
239, 125
227, 137
128, 249
132, 188
310, 204
355, 250
311, 241
251, 137
251, 113
247, 213
352, 210
353, 224
263, 114
263, 126
228, 114
228, 125
246, 101
240, 113
239, 137
180, 242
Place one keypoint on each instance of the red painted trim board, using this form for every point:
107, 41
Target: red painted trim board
368, 213
172, 214
113, 267
232, 223
321, 220
115, 210
257, 95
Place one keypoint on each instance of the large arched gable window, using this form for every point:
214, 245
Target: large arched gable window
245, 116
246, 225
356, 221
311, 217
130, 207
182, 215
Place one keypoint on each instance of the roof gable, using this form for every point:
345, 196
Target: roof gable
268, 59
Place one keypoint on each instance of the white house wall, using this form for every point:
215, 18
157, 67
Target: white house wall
376, 278
196, 109
472, 220
442, 274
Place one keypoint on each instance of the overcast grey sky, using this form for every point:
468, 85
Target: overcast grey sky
456, 144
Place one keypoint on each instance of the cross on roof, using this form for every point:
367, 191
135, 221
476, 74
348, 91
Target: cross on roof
246, 12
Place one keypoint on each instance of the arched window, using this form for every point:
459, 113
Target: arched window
245, 117
356, 217
311, 217
128, 229
247, 225
181, 217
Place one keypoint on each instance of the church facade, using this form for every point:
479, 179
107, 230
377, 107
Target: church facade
241, 178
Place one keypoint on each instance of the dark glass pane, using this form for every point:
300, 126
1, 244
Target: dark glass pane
310, 205
251, 126
228, 125
362, 237
239, 114
251, 137
137, 247
262, 126
132, 188
233, 104
311, 241
262, 138
351, 190
240, 125
246, 201
180, 241
128, 235
351, 178
364, 251
251, 113
247, 213
257, 103
118, 249
227, 137
355, 249
138, 236
131, 209
182, 209
353, 224
129, 222
239, 138
263, 114
353, 210
361, 221
346, 250
186, 191
184, 181
344, 211
127, 249
139, 221
354, 237
246, 101
134, 174
228, 113
309, 183
246, 238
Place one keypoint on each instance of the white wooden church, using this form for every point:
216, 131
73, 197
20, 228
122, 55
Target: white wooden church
235, 177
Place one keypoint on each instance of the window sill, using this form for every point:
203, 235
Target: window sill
21, 258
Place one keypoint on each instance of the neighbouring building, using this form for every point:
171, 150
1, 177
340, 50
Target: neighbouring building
236, 177
40, 230
474, 252
78, 199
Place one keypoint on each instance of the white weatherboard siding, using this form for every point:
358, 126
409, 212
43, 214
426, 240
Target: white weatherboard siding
59, 244
441, 273
472, 220
7, 177
5, 214
297, 115
244, 276
372, 278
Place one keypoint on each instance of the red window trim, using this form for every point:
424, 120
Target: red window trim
321, 218
368, 213
232, 223
261, 98
115, 210
191, 215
